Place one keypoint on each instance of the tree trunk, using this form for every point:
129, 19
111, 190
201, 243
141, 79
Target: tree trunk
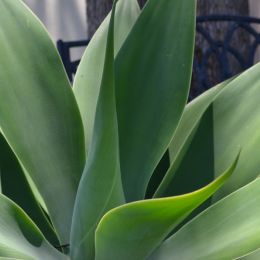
96, 12
218, 31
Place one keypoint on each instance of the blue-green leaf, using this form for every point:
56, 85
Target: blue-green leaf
89, 73
20, 238
100, 187
153, 71
134, 230
227, 230
234, 125
16, 187
39, 116
195, 129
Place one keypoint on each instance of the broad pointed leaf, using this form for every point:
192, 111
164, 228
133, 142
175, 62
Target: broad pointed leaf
153, 70
20, 238
16, 187
100, 188
39, 116
237, 123
195, 129
227, 230
134, 230
89, 74
234, 125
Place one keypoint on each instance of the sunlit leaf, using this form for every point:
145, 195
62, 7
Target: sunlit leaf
134, 230
227, 230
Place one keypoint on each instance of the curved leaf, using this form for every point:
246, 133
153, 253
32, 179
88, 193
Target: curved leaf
16, 187
237, 123
20, 238
227, 230
196, 117
192, 115
234, 124
255, 255
39, 116
100, 187
89, 73
134, 230
152, 87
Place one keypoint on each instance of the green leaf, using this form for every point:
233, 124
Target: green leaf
227, 230
152, 87
89, 73
39, 116
200, 170
255, 255
10, 258
16, 187
134, 230
192, 115
100, 187
20, 238
234, 125
195, 130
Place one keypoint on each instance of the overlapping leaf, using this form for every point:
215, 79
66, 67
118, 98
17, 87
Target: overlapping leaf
233, 125
39, 116
89, 73
236, 123
100, 188
20, 238
153, 70
16, 187
195, 130
227, 230
134, 230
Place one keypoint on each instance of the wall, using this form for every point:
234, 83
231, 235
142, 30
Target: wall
64, 19
254, 8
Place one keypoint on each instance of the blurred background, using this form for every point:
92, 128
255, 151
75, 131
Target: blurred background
64, 19
67, 19
227, 40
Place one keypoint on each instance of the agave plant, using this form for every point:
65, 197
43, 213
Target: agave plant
78, 177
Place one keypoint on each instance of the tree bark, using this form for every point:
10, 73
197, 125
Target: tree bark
218, 30
96, 12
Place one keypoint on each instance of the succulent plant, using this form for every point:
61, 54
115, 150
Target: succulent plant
77, 163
